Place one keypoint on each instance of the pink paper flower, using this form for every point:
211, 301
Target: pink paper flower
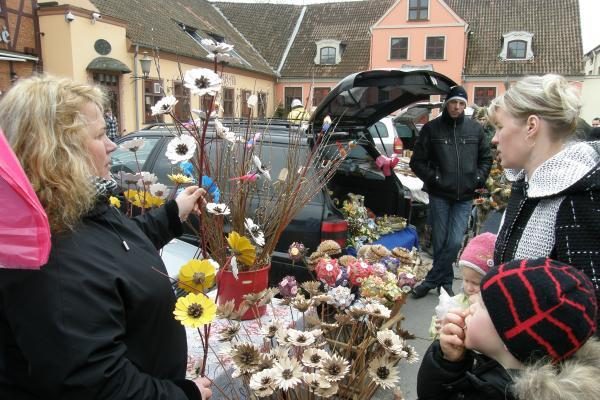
358, 270
328, 271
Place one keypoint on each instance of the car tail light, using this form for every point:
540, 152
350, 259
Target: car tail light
398, 146
336, 230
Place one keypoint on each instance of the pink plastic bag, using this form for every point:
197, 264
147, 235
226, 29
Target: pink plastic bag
24, 228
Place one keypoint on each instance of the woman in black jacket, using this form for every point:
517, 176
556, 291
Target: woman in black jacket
96, 322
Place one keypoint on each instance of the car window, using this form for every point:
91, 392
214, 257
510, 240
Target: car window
403, 130
377, 130
125, 160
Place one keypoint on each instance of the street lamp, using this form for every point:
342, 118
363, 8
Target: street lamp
145, 65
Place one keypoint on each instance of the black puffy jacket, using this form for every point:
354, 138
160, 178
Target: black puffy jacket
96, 322
452, 157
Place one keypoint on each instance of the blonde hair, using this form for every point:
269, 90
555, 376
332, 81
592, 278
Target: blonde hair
41, 117
551, 97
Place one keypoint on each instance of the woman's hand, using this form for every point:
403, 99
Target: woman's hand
203, 384
187, 201
452, 335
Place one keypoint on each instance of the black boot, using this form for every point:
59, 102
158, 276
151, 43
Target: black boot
448, 288
421, 290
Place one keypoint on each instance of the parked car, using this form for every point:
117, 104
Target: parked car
355, 104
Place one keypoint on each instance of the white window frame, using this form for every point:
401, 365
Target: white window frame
407, 49
527, 37
425, 48
328, 43
417, 20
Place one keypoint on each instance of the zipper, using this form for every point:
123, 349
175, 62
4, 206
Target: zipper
509, 229
457, 163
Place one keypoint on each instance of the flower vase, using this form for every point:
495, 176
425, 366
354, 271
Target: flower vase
247, 282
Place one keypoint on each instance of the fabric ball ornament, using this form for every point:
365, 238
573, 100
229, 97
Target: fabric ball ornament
359, 270
288, 287
540, 308
328, 271
391, 263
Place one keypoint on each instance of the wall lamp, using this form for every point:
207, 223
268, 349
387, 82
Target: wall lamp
69, 17
145, 62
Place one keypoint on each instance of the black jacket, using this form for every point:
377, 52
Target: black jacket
452, 157
96, 322
476, 377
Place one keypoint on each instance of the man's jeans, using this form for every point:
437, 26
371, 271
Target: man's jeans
449, 221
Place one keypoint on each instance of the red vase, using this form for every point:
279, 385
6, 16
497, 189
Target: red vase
247, 282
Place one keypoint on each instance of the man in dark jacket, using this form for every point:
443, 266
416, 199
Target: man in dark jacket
453, 158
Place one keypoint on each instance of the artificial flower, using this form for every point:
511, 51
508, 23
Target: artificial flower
241, 247
218, 209
383, 372
313, 357
296, 251
329, 247
127, 178
288, 287
300, 338
287, 373
327, 392
263, 382
301, 303
147, 179
202, 81
216, 47
389, 339
312, 287
197, 276
224, 133
246, 356
220, 57
378, 310
270, 330
228, 333
254, 230
341, 297
253, 140
114, 201
252, 101
359, 270
133, 145
328, 271
159, 190
259, 167
195, 310
179, 179
334, 368
181, 148
164, 105
412, 355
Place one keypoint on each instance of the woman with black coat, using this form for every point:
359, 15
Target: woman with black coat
95, 322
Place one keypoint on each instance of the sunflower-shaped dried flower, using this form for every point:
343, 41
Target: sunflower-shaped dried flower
378, 310
314, 259
270, 330
266, 362
282, 337
228, 333
312, 287
279, 353
246, 357
412, 355
268, 295
296, 251
315, 381
197, 275
321, 298
383, 372
342, 319
287, 373
356, 311
327, 392
253, 299
346, 260
312, 357
311, 319
195, 310
335, 368
300, 338
301, 303
263, 383
389, 340
329, 247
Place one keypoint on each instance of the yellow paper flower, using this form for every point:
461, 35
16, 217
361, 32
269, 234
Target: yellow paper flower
195, 310
243, 250
143, 199
180, 179
115, 202
197, 276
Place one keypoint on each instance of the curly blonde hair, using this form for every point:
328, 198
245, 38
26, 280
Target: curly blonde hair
550, 96
41, 117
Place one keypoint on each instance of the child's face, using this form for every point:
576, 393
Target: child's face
471, 281
480, 333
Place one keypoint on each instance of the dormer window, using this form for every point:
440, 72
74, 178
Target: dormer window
418, 10
328, 52
517, 46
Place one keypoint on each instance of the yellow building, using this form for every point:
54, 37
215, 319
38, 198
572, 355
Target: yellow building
105, 41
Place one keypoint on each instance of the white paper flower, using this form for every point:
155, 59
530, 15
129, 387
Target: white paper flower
133, 145
287, 373
147, 179
164, 105
224, 133
383, 372
215, 47
221, 57
252, 101
254, 230
218, 208
261, 169
159, 190
202, 81
263, 379
181, 148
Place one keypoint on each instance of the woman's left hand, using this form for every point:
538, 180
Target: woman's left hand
187, 201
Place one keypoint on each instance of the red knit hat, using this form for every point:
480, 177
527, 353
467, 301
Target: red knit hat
479, 253
540, 308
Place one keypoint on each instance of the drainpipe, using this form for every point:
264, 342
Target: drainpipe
135, 89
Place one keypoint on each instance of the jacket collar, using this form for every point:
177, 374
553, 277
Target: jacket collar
449, 120
554, 382
578, 158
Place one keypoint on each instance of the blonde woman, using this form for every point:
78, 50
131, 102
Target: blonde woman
96, 321
554, 209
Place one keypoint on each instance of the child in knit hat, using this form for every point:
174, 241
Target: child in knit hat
475, 261
527, 335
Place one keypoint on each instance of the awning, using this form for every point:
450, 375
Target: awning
108, 64
12, 56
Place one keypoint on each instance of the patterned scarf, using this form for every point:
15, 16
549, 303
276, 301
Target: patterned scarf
105, 188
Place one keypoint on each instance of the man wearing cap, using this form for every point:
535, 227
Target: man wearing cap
452, 157
298, 113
